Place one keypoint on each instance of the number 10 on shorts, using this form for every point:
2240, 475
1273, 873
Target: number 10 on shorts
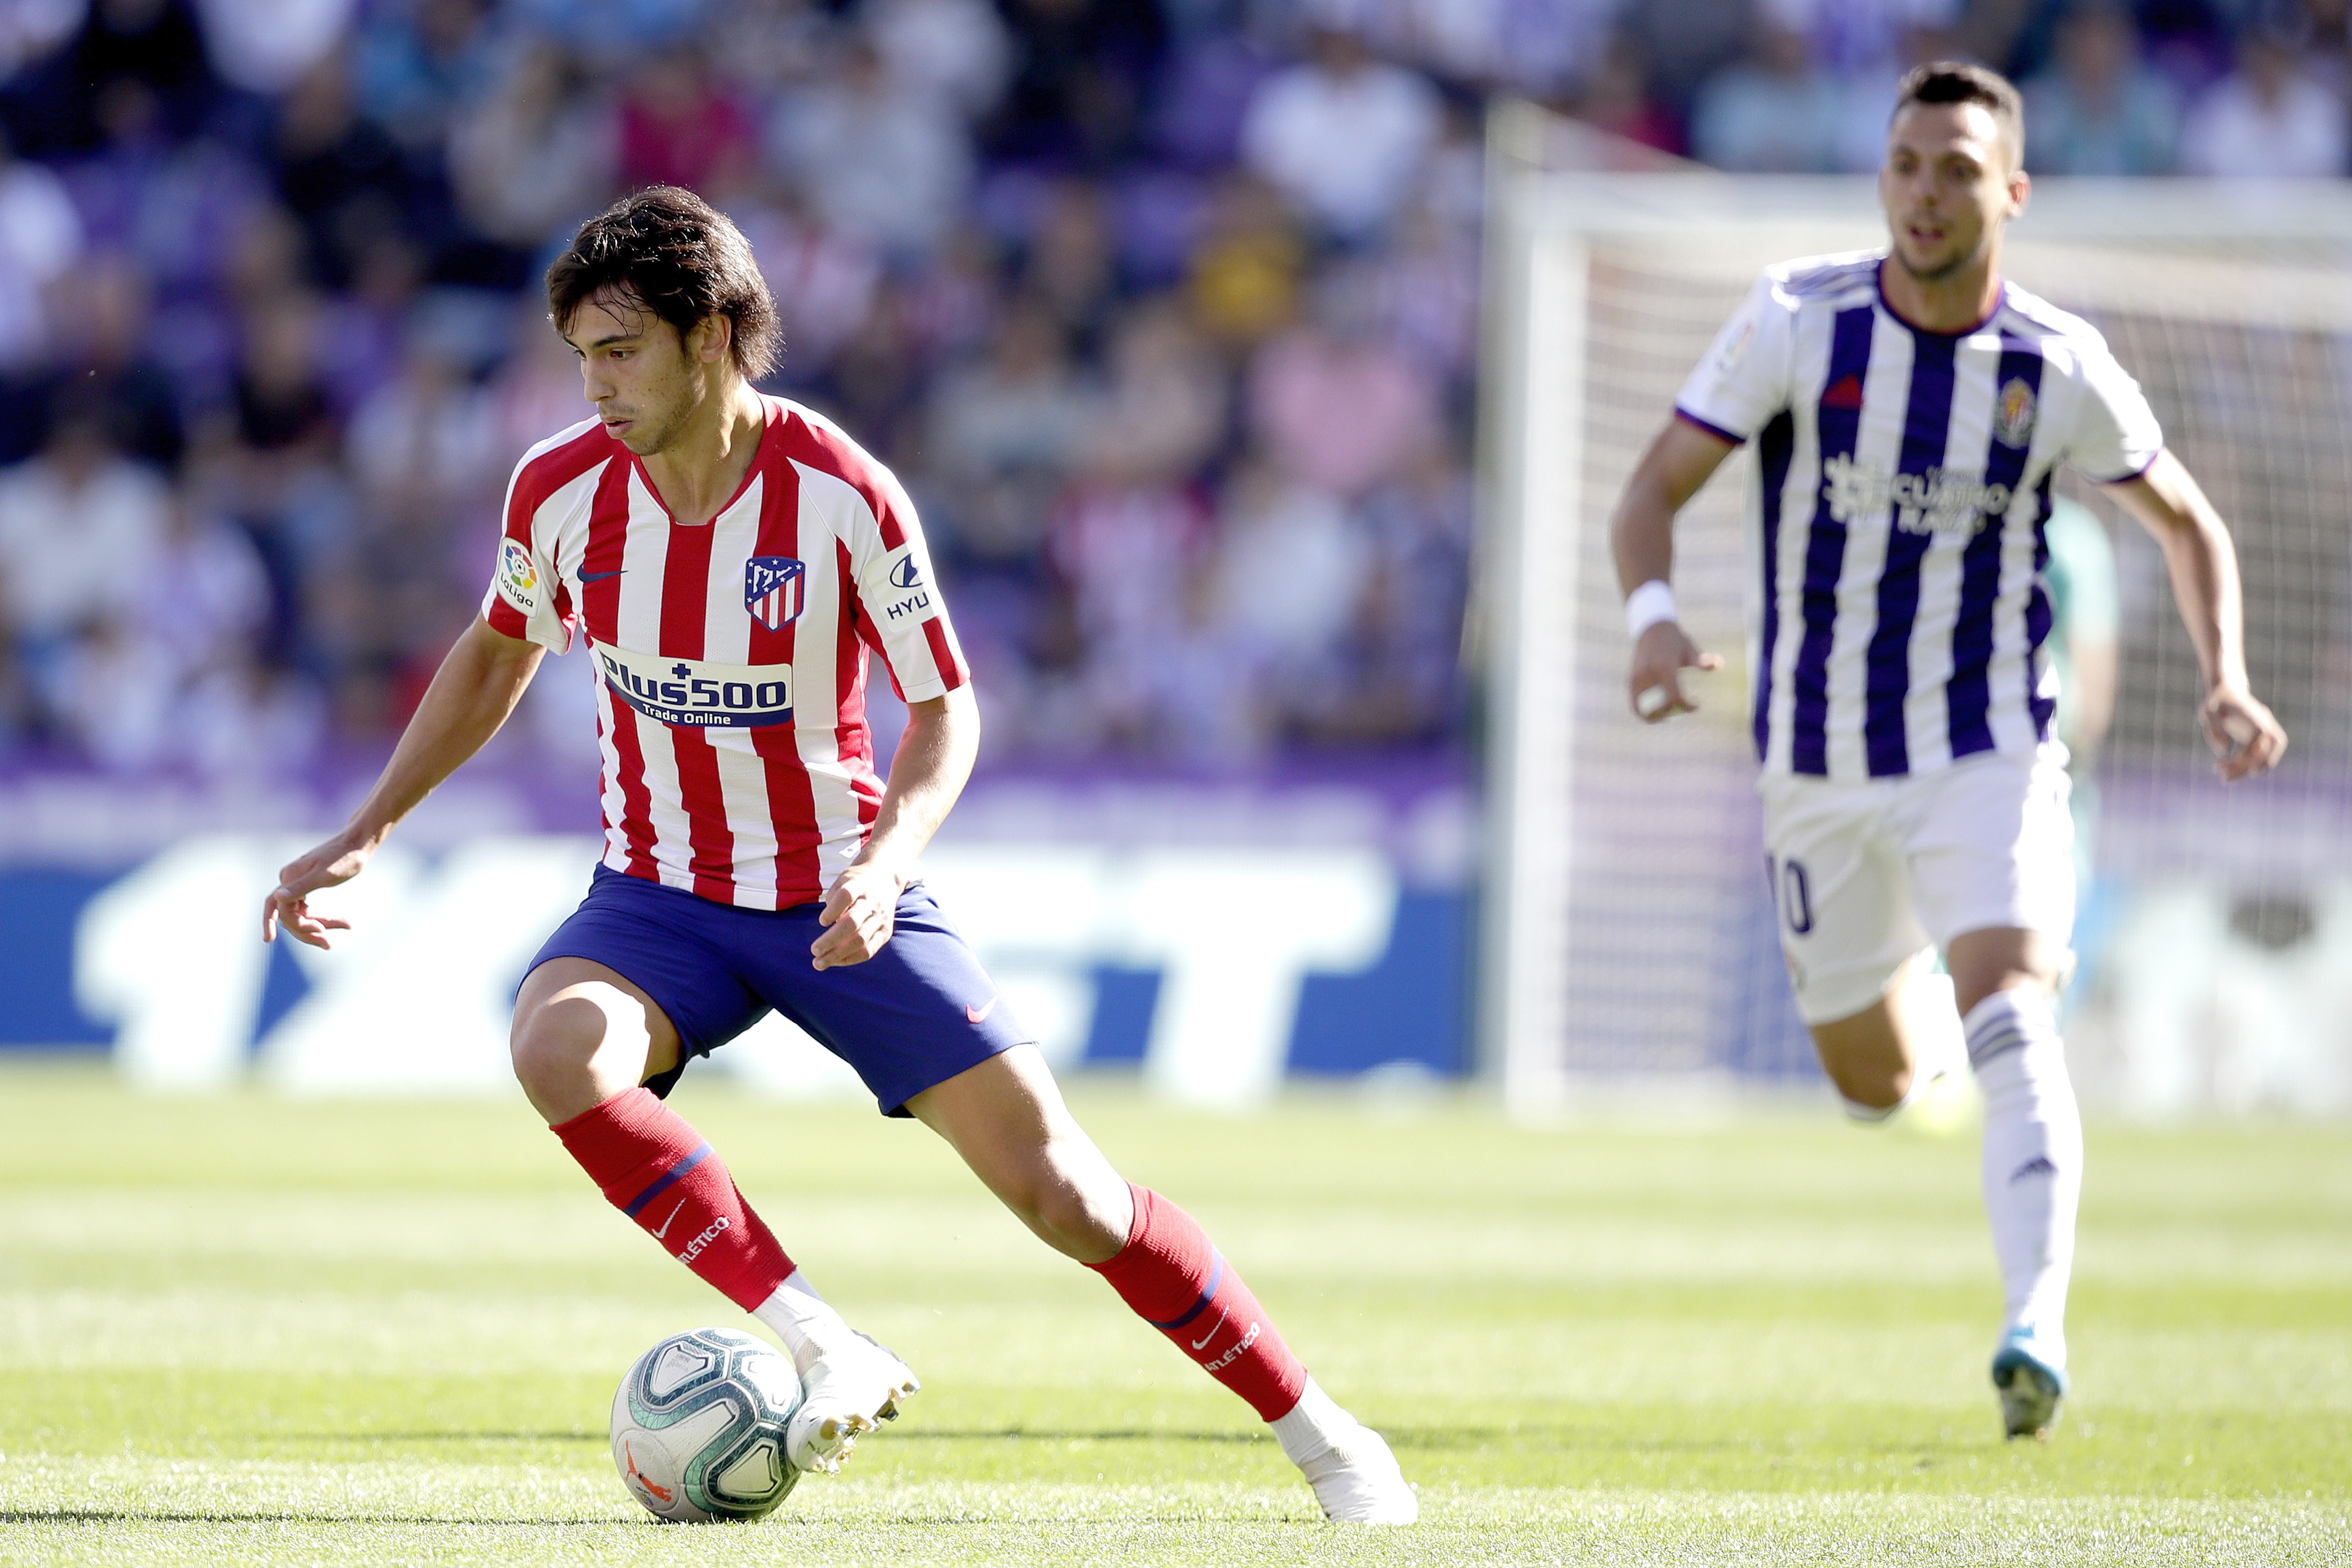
1792, 892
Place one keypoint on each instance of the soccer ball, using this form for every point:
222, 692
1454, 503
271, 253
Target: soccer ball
699, 1427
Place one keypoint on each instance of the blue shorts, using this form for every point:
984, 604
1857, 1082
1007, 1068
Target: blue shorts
915, 1014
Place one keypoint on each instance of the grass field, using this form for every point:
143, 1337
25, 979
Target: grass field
246, 1330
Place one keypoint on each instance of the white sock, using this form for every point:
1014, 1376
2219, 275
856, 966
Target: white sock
801, 1320
2032, 1159
1314, 1424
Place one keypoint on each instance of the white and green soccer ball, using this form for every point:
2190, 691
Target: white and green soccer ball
699, 1427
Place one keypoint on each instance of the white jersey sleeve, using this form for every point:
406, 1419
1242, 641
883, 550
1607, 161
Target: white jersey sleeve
892, 565
1744, 379
526, 596
2116, 434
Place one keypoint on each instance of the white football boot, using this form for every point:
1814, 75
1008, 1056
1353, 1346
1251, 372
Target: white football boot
2030, 1387
849, 1386
1354, 1476
1357, 1482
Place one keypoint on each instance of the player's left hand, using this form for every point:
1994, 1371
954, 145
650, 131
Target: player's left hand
861, 910
2242, 733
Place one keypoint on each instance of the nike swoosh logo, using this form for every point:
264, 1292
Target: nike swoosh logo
1203, 1341
587, 577
665, 1224
980, 1014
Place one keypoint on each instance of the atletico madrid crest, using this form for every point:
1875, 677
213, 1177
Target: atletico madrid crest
775, 588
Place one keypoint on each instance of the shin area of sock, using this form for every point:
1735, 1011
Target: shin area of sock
1171, 1278
656, 1169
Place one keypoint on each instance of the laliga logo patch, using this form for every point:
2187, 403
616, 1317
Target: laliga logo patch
775, 590
517, 577
905, 573
2013, 422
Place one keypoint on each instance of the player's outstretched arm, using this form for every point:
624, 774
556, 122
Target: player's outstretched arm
475, 689
2203, 563
934, 758
1642, 538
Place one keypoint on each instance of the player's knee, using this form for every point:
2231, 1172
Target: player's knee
554, 1043
1873, 1088
1070, 1213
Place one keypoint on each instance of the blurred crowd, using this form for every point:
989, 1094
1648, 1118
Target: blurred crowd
1164, 310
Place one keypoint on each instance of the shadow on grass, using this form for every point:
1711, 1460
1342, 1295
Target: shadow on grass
287, 1516
465, 1437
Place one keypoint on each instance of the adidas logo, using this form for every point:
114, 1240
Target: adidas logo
1846, 394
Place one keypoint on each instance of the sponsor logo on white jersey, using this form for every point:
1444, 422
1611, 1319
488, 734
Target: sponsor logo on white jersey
697, 692
1935, 502
517, 578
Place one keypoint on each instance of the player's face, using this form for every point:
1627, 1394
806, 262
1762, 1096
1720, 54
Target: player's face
645, 378
1949, 183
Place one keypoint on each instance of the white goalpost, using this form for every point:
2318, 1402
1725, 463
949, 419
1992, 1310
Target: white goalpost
1625, 925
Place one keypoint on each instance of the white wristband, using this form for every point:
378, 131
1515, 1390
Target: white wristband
1647, 605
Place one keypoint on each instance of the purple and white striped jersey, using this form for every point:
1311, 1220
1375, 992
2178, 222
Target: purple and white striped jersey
1896, 608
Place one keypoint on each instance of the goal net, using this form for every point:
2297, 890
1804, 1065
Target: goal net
1627, 928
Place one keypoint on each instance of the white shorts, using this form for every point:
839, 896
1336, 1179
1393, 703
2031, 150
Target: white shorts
1866, 875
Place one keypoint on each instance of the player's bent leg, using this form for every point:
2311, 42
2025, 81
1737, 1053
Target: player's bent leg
2032, 1158
1007, 1119
585, 1039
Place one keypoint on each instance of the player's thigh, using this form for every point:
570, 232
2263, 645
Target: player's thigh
1990, 847
915, 1014
1006, 1118
1846, 925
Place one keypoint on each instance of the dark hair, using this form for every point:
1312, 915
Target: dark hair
1964, 81
668, 250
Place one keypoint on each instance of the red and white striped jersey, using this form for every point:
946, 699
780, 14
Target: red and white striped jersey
730, 656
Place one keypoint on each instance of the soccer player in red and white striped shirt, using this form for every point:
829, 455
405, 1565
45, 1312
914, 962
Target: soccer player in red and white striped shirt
732, 560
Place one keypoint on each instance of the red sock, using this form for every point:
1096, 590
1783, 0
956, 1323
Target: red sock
655, 1168
1174, 1281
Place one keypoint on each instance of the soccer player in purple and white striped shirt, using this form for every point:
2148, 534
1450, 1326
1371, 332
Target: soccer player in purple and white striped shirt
1909, 410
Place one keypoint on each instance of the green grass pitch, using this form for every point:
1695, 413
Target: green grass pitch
246, 1331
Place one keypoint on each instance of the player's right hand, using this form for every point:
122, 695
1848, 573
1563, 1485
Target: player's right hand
1655, 687
335, 862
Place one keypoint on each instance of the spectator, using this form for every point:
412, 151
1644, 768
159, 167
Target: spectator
1399, 664
952, 51
422, 440
1343, 135
536, 154
825, 281
1165, 414
1247, 273
80, 524
1772, 112
1847, 38
1004, 433
267, 46
1291, 565
413, 70
1078, 79
1334, 405
1068, 267
2267, 120
677, 128
108, 316
203, 600
340, 175
1617, 98
878, 162
40, 239
2101, 110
